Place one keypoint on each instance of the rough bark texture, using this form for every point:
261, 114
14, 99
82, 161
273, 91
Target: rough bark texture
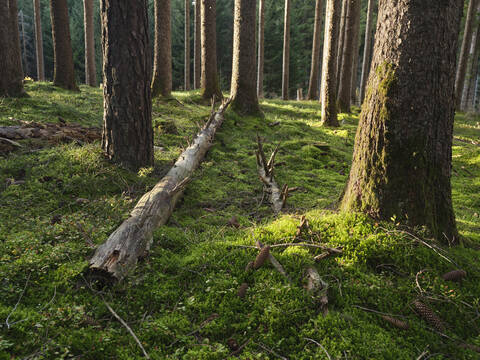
90, 67
243, 87
317, 40
329, 66
64, 74
197, 49
345, 80
132, 239
261, 47
472, 68
127, 121
463, 58
286, 51
187, 46
209, 81
38, 40
403, 148
341, 38
367, 52
26, 69
356, 44
162, 59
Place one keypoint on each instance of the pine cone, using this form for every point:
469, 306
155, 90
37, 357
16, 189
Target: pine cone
428, 314
455, 275
242, 290
261, 257
395, 322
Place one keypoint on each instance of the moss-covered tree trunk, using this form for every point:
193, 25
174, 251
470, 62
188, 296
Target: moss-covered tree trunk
90, 68
186, 61
243, 87
261, 47
286, 51
197, 47
209, 80
329, 64
64, 73
403, 148
162, 58
127, 120
317, 41
38, 40
367, 50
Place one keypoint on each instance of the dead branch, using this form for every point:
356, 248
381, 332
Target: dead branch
275, 262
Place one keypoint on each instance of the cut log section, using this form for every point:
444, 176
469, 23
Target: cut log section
132, 239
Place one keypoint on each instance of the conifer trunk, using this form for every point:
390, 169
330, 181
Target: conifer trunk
367, 52
209, 80
197, 49
356, 44
317, 40
341, 38
90, 67
162, 58
261, 47
38, 40
286, 51
403, 148
187, 46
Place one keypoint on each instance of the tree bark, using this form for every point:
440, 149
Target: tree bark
197, 51
261, 47
187, 46
403, 149
345, 80
317, 40
472, 68
127, 137
64, 73
463, 58
286, 52
329, 64
39, 40
129, 242
341, 38
209, 81
26, 70
90, 67
367, 53
162, 59
356, 45
243, 87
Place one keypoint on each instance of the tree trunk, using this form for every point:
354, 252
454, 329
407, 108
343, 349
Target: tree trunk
24, 44
90, 67
317, 40
367, 52
403, 149
261, 47
345, 81
162, 59
341, 38
127, 121
187, 45
39, 41
463, 58
243, 87
286, 51
197, 51
209, 80
329, 66
472, 68
132, 239
64, 74
356, 44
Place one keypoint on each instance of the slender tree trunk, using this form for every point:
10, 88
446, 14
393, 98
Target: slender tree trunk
162, 58
209, 80
197, 51
64, 73
367, 53
243, 87
403, 149
341, 38
317, 40
39, 40
90, 67
187, 45
261, 47
127, 120
345, 81
330, 47
356, 45
472, 71
463, 59
24, 44
286, 51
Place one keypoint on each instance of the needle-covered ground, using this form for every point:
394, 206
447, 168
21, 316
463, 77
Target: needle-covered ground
59, 201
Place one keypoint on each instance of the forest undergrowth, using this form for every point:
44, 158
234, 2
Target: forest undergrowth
58, 201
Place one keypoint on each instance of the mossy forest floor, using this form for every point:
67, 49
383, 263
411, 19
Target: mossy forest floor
182, 300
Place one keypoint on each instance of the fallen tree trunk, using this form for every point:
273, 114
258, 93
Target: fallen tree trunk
132, 239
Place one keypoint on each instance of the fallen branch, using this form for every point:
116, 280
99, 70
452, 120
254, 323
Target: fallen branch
318, 288
132, 239
321, 346
18, 302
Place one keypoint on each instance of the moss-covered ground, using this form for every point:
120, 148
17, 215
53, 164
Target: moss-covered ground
68, 199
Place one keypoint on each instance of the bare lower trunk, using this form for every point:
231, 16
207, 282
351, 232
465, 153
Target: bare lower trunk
341, 38
162, 66
286, 51
356, 44
197, 51
367, 52
187, 46
472, 68
317, 39
90, 68
39, 41
209, 80
261, 47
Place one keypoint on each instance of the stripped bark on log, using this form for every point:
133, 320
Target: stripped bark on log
132, 239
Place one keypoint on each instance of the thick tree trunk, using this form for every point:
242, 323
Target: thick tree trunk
329, 66
162, 58
286, 51
197, 50
345, 80
64, 74
90, 67
463, 58
403, 148
261, 47
341, 38
317, 40
209, 81
127, 120
38, 40
243, 87
129, 242
187, 46
367, 52
356, 45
